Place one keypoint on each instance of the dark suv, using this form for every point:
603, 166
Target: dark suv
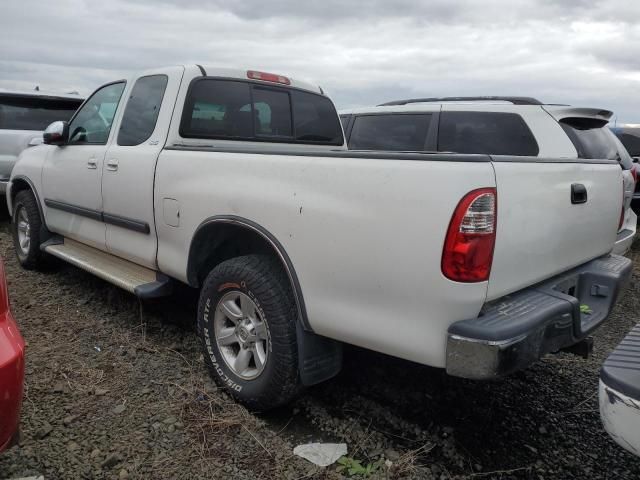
630, 138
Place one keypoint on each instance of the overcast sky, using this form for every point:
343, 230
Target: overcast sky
580, 52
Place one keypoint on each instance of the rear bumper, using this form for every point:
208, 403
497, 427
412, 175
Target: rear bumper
11, 379
515, 331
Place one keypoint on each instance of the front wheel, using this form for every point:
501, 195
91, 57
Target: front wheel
27, 229
247, 325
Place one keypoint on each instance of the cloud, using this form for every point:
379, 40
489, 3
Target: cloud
578, 52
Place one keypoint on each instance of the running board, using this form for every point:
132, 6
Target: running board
142, 282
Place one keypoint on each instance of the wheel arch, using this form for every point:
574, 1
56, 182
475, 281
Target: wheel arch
17, 185
221, 237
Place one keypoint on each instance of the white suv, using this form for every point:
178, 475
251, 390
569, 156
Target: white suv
23, 118
517, 126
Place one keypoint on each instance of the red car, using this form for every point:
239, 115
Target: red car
11, 369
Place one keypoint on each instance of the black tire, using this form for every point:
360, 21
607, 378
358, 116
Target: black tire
263, 280
32, 257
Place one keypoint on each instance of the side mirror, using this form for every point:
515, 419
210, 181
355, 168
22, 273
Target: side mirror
56, 134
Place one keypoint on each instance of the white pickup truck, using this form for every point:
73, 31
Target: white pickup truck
239, 183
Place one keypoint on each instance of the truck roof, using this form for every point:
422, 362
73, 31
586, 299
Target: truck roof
486, 98
214, 71
557, 111
5, 92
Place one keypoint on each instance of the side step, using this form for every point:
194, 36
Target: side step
142, 282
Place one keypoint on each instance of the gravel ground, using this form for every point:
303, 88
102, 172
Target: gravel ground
116, 389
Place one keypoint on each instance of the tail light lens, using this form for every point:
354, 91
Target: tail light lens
634, 172
622, 209
471, 237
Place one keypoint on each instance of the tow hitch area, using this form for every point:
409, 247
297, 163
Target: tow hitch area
583, 348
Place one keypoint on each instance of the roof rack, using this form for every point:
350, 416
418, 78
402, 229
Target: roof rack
513, 100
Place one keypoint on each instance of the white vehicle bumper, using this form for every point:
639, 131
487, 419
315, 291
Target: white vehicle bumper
620, 393
621, 417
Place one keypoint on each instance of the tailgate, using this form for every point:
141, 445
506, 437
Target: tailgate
541, 232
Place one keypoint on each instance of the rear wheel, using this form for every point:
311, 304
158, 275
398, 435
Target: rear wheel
27, 229
247, 324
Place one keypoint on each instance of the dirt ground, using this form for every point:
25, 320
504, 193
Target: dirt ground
118, 389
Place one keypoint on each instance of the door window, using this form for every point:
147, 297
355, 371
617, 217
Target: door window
92, 123
141, 113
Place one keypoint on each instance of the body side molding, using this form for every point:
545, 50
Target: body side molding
117, 220
75, 209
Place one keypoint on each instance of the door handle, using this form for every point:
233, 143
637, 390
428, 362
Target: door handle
112, 164
578, 193
92, 163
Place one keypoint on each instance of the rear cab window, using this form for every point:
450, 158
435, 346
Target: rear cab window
252, 111
489, 133
25, 112
390, 131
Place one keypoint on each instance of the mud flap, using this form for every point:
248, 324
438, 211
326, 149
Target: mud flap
319, 358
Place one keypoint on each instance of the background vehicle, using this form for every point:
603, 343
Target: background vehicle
493, 126
620, 393
629, 135
23, 117
239, 183
11, 369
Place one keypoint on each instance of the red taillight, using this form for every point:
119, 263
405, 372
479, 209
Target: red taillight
622, 209
634, 172
268, 77
468, 247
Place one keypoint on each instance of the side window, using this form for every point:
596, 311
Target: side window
141, 113
238, 110
92, 123
489, 133
344, 119
397, 132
